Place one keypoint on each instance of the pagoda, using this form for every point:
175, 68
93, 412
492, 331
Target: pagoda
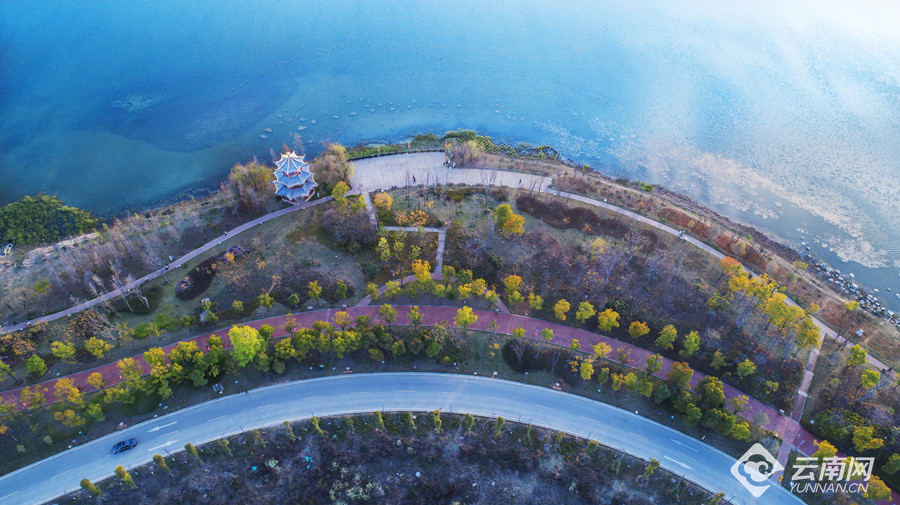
293, 180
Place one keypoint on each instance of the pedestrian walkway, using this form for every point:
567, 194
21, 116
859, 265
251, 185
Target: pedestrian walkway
175, 264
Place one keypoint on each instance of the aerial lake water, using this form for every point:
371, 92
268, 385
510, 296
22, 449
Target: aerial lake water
785, 116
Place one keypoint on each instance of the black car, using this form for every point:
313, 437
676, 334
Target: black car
124, 445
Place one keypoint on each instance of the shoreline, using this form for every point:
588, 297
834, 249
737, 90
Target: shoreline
867, 296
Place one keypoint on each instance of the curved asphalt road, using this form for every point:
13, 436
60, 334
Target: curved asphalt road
355, 393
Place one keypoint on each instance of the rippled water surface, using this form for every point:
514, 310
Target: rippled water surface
782, 115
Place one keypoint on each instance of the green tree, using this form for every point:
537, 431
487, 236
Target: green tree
161, 463
877, 490
680, 374
96, 380
536, 302
33, 397
651, 467
575, 345
602, 350
387, 313
746, 368
237, 306
247, 344
315, 291
857, 356
89, 486
63, 351
892, 465
498, 426
711, 390
864, 439
332, 166
415, 317
741, 431
124, 476
586, 370
294, 300
547, 335
372, 291
342, 318
824, 451
265, 300
5, 371
35, 365
607, 320
692, 415
716, 498
410, 422
638, 329
513, 285
97, 346
515, 225
39, 219
339, 194
192, 452
95, 412
717, 361
585, 311
379, 420
691, 344
468, 423
465, 318
436, 419
666, 337
654, 363
503, 213
560, 309
870, 379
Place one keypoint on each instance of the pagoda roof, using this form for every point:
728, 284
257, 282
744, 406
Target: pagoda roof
291, 163
293, 180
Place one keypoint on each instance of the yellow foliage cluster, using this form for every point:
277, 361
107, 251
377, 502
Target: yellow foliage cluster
412, 218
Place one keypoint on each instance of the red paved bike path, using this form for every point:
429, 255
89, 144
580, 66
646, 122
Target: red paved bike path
432, 315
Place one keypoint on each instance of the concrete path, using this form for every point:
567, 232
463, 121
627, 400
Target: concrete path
175, 263
388, 392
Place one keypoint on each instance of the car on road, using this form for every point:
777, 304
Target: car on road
124, 445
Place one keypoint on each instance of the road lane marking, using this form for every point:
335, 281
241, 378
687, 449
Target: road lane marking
167, 434
542, 406
360, 393
60, 473
406, 391
264, 406
7, 496
313, 397
677, 442
636, 435
678, 463
217, 418
170, 442
163, 426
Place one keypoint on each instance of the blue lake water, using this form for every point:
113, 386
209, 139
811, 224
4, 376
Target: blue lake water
783, 115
